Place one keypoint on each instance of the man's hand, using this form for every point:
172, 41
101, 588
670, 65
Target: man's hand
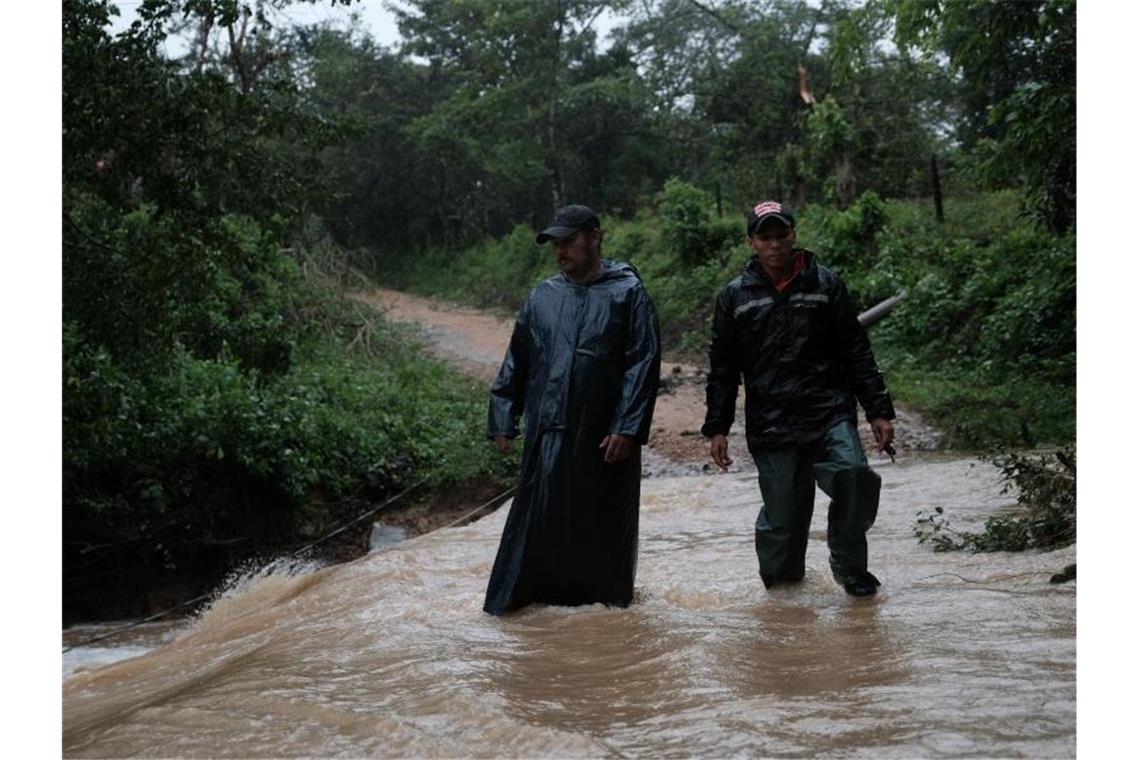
617, 447
884, 432
503, 443
718, 449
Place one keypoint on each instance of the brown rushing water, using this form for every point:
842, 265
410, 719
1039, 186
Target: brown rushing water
391, 655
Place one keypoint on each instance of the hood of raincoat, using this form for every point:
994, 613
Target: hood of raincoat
596, 341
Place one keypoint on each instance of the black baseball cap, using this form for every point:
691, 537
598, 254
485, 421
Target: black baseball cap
567, 221
766, 210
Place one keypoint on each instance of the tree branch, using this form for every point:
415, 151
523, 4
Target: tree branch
716, 15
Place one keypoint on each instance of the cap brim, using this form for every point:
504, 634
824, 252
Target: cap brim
760, 220
554, 233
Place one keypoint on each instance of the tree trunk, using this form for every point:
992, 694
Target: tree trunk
204, 28
844, 181
237, 54
557, 181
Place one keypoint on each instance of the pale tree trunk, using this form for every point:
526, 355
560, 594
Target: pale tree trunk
844, 181
248, 55
557, 181
237, 45
203, 42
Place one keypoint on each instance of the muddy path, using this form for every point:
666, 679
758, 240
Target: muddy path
474, 341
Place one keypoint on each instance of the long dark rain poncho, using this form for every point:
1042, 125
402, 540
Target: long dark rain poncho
583, 362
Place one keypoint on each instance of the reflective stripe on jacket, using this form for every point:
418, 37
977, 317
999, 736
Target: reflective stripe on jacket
802, 353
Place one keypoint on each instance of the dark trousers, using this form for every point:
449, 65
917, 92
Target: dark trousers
788, 477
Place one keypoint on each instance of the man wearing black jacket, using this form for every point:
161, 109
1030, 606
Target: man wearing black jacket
787, 325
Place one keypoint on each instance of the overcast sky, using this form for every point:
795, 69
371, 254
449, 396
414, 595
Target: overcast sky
375, 16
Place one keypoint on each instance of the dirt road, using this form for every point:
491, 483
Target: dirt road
474, 341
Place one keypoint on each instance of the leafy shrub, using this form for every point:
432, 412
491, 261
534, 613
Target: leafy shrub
1032, 326
688, 228
847, 241
1007, 307
1047, 517
142, 285
493, 274
158, 467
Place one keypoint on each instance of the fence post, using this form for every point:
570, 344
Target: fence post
937, 189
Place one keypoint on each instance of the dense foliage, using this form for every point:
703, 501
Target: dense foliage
1017, 92
220, 399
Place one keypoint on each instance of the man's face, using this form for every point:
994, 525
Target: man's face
578, 255
773, 243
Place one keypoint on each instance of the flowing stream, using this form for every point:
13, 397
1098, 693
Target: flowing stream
391, 655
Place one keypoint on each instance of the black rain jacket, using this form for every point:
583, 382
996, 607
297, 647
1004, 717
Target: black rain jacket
803, 355
583, 362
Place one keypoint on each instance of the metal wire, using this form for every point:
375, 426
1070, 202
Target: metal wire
509, 492
195, 600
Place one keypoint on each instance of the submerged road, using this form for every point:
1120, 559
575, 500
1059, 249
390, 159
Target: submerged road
391, 655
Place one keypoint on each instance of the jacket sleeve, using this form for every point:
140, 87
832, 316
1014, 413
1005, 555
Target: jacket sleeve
508, 392
724, 370
634, 412
858, 363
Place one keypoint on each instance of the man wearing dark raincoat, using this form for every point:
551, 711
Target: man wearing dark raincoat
583, 365
788, 327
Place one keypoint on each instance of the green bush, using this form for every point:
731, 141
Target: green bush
207, 452
688, 229
847, 243
141, 284
1007, 306
1046, 517
495, 274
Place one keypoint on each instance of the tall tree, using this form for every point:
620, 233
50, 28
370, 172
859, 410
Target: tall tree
379, 174
896, 110
725, 74
518, 69
1017, 62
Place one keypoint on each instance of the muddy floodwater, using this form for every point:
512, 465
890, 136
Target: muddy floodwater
391, 655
